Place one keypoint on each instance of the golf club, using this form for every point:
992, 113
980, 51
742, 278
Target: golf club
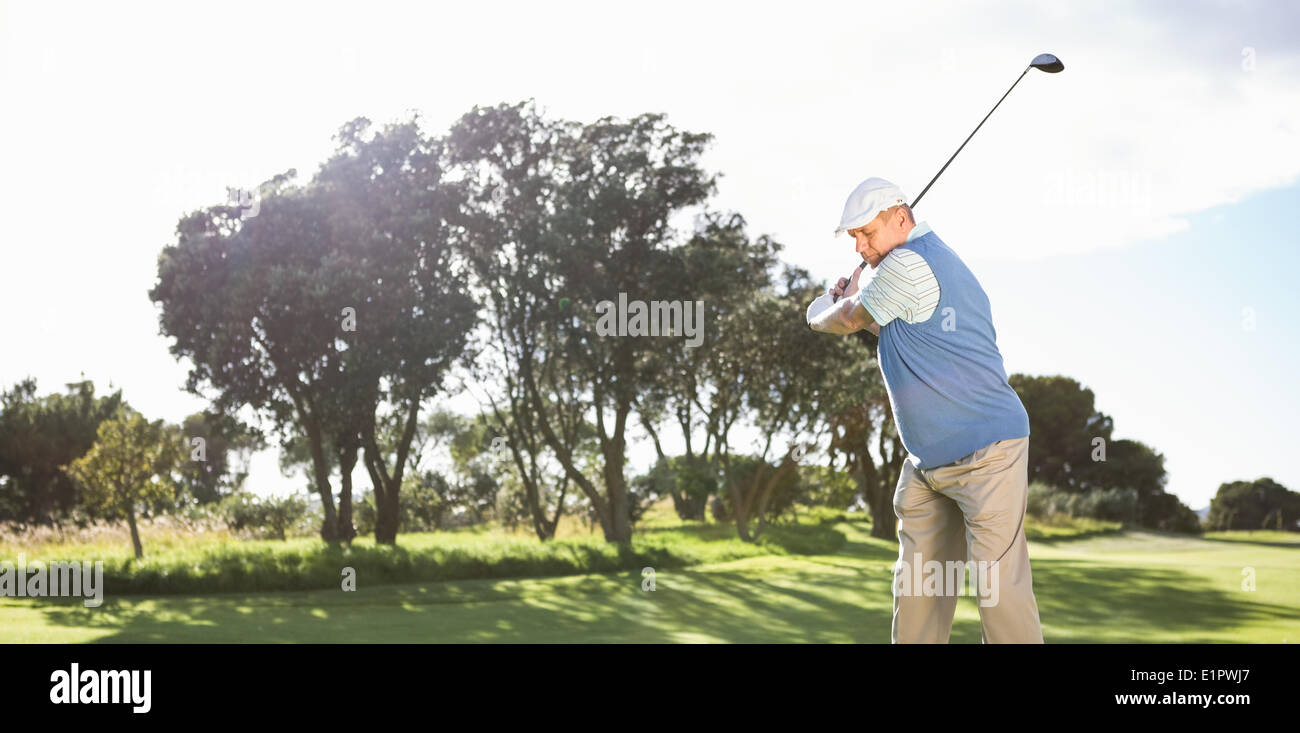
1045, 62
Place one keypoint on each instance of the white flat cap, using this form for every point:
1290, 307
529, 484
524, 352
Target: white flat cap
871, 197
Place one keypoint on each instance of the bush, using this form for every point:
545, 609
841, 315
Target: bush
661, 480
719, 510
1045, 502
511, 507
1165, 512
1117, 505
428, 502
273, 517
695, 483
689, 480
826, 487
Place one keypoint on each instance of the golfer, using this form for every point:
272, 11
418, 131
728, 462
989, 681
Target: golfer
962, 492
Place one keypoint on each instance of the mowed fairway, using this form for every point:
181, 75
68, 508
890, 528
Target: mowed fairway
1130, 587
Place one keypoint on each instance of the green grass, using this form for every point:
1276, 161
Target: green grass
1101, 586
1285, 539
215, 563
1067, 528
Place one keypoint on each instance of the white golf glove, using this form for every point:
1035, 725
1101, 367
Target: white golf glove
822, 302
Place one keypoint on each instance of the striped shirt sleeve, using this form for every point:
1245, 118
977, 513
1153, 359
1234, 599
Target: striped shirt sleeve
904, 287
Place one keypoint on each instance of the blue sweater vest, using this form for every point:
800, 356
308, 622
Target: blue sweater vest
945, 378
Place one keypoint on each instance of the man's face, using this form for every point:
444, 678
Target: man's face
877, 237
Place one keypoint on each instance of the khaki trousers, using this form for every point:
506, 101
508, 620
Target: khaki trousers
969, 512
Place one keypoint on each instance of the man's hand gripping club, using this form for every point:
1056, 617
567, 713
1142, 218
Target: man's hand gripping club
838, 311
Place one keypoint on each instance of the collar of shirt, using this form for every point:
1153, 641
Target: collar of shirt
920, 230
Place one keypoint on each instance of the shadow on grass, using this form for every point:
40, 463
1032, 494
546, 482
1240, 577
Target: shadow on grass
870, 548
1131, 604
686, 606
1247, 541
1035, 534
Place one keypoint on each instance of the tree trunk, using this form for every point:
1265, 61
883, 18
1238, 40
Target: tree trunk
528, 475
554, 523
320, 470
388, 487
135, 531
620, 520
765, 492
616, 483
880, 501
737, 500
347, 461
742, 523
522, 441
602, 506
884, 523
387, 517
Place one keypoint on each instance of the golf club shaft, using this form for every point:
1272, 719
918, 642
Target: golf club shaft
963, 145
968, 137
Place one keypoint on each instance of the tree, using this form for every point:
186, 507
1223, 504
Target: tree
218, 466
1065, 429
863, 420
579, 214
860, 419
38, 436
389, 197
335, 311
500, 455
693, 385
253, 304
127, 466
1072, 449
1132, 464
787, 379
1259, 504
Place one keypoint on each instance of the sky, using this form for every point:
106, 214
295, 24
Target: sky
1130, 218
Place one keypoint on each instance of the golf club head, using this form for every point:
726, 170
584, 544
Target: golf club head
1047, 62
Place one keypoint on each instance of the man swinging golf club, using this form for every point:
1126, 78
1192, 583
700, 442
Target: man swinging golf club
961, 495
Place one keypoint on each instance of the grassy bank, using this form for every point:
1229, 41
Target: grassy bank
207, 560
1131, 586
213, 562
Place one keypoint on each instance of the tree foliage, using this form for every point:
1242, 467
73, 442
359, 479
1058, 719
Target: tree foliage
335, 310
128, 465
1072, 448
561, 217
38, 437
1259, 504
